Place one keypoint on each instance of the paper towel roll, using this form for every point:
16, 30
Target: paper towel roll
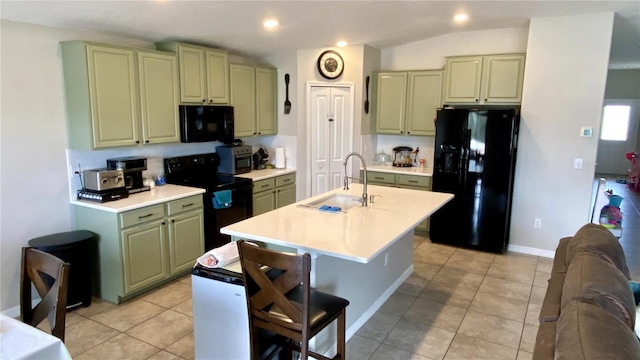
281, 162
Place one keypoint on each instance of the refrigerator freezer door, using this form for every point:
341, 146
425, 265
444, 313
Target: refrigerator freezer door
479, 214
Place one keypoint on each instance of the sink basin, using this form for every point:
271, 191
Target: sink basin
345, 202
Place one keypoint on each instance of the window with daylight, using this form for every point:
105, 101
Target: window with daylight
615, 122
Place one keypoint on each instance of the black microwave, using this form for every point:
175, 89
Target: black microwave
206, 123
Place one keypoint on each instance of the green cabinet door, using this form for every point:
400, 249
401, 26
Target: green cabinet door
503, 77
186, 239
424, 97
159, 92
193, 86
243, 99
389, 112
285, 195
113, 96
144, 255
463, 76
263, 202
217, 77
266, 101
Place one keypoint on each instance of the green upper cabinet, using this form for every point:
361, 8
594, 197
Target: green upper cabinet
253, 97
266, 101
204, 73
158, 74
119, 96
243, 99
484, 79
503, 77
391, 94
406, 102
423, 100
101, 95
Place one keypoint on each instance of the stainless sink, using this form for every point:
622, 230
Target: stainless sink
344, 202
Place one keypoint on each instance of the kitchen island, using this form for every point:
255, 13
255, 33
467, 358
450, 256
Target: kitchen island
362, 254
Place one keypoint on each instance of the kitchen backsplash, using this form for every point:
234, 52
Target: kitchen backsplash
425, 143
155, 154
85, 160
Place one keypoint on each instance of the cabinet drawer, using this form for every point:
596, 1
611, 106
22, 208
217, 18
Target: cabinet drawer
414, 181
381, 177
185, 204
286, 179
139, 216
263, 185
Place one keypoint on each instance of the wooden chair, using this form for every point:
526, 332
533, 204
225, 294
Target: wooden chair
286, 304
49, 276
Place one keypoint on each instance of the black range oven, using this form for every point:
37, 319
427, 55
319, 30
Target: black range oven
201, 171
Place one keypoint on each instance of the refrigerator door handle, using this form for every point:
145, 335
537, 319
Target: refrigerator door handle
464, 154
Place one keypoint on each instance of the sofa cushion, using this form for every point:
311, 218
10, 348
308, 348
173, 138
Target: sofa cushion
591, 278
586, 331
598, 240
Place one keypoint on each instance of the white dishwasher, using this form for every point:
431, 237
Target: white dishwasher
220, 318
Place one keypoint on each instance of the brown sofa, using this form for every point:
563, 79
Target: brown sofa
589, 310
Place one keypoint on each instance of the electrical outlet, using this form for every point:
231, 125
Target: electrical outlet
577, 163
537, 223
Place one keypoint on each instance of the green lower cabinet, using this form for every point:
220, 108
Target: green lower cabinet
144, 255
143, 248
186, 240
415, 182
285, 195
273, 193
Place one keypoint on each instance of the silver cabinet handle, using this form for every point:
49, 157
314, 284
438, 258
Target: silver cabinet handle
145, 216
187, 205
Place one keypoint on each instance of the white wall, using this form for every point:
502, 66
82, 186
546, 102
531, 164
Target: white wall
431, 53
564, 84
307, 72
34, 188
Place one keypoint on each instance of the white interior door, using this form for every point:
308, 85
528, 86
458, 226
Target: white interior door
611, 154
331, 136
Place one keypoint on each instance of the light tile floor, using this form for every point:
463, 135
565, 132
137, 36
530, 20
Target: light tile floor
458, 304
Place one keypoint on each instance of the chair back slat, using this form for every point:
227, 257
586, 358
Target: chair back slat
270, 296
35, 265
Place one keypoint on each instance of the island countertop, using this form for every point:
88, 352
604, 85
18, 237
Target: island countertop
359, 234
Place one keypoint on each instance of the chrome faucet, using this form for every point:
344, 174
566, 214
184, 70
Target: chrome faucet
363, 201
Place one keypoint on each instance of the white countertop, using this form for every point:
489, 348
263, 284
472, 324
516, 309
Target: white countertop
422, 171
257, 175
359, 234
157, 195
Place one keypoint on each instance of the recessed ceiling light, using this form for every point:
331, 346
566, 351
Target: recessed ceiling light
270, 23
461, 17
342, 43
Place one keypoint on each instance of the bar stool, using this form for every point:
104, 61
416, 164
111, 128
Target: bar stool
286, 305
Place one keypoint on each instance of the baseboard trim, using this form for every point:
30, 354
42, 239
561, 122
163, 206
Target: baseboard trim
531, 251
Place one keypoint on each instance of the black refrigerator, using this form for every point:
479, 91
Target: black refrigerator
475, 158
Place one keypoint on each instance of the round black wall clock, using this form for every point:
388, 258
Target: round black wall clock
330, 64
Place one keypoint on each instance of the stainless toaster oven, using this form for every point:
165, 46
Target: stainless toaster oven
103, 179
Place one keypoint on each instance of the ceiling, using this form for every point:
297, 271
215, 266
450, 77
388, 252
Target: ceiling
237, 25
